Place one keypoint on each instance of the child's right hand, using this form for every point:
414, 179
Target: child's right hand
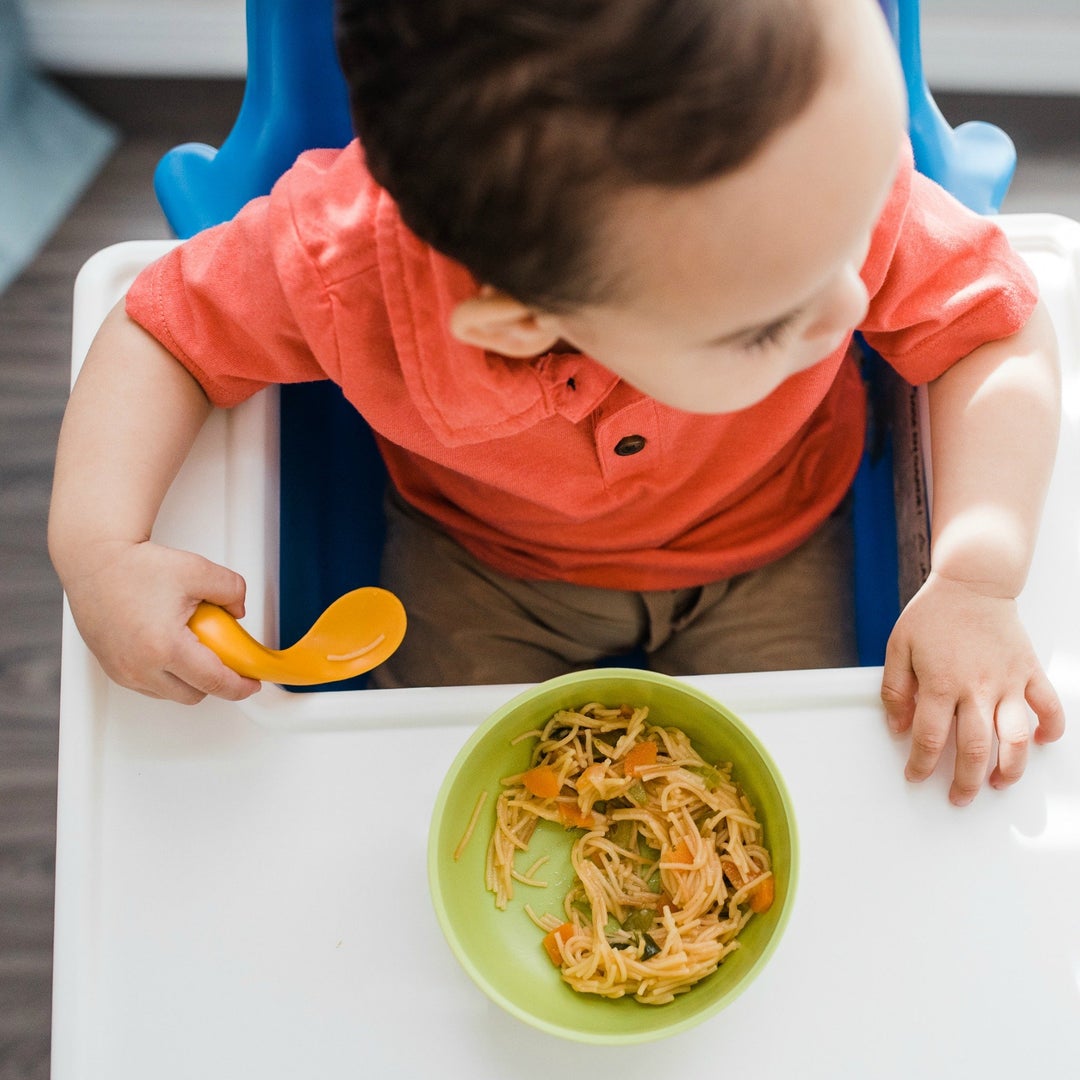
131, 603
132, 418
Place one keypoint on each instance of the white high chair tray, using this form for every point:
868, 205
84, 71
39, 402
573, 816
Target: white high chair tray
241, 890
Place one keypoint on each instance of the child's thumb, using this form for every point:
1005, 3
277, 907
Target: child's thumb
222, 586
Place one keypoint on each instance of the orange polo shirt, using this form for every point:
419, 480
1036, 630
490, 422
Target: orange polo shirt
554, 468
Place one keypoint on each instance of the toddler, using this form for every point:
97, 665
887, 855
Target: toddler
591, 273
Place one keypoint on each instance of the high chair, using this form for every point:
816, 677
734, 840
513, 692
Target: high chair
331, 533
240, 887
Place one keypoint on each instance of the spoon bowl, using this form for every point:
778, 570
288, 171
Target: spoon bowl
356, 633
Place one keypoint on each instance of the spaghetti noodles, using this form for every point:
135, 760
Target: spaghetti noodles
671, 864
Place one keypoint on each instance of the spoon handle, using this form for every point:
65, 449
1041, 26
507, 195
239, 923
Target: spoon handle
219, 631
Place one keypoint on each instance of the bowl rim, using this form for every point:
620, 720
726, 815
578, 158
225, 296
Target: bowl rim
438, 901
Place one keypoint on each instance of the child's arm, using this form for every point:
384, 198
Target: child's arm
958, 654
132, 418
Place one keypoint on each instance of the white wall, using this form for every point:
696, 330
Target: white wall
138, 37
1001, 7
1010, 45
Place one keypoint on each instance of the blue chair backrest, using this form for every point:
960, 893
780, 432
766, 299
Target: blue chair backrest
294, 99
332, 532
975, 161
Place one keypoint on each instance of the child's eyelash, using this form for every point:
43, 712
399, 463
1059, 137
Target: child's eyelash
772, 334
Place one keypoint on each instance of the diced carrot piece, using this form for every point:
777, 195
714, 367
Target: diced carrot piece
762, 894
572, 817
551, 941
639, 756
680, 853
731, 872
543, 782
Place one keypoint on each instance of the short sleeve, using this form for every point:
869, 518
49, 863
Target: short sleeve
949, 282
246, 304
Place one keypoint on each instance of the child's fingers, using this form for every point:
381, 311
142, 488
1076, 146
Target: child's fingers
1044, 702
203, 672
173, 688
1013, 730
974, 743
930, 728
190, 673
160, 684
899, 687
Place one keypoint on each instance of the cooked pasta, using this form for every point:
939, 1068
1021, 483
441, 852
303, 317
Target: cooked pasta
670, 866
473, 819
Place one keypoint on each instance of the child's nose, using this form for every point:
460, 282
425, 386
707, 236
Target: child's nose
842, 307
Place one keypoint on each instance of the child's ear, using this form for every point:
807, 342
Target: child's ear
496, 322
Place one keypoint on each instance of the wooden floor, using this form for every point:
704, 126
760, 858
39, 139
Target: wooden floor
34, 357
35, 348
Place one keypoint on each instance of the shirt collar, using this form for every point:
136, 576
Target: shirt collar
465, 394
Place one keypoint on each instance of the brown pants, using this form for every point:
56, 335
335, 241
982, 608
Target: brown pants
470, 624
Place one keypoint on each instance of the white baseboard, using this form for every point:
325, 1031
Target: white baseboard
128, 37
1027, 54
1004, 53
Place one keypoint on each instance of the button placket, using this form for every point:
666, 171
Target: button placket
630, 444
628, 441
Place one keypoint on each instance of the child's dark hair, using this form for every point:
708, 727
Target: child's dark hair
495, 124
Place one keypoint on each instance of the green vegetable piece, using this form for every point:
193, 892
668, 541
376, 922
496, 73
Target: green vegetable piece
637, 794
651, 948
707, 773
623, 834
647, 851
612, 926
640, 919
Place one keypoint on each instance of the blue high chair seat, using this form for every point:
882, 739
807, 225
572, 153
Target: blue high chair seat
332, 532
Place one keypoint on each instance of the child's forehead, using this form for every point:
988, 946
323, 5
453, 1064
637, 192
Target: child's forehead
807, 199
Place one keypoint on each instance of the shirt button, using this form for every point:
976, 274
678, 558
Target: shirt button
630, 444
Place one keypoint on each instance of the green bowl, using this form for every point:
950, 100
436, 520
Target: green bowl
501, 950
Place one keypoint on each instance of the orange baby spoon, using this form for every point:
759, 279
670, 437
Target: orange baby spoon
357, 632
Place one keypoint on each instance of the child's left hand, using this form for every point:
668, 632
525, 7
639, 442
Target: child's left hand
958, 657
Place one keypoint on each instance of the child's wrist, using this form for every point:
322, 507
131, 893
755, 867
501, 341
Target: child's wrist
991, 587
987, 550
79, 557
